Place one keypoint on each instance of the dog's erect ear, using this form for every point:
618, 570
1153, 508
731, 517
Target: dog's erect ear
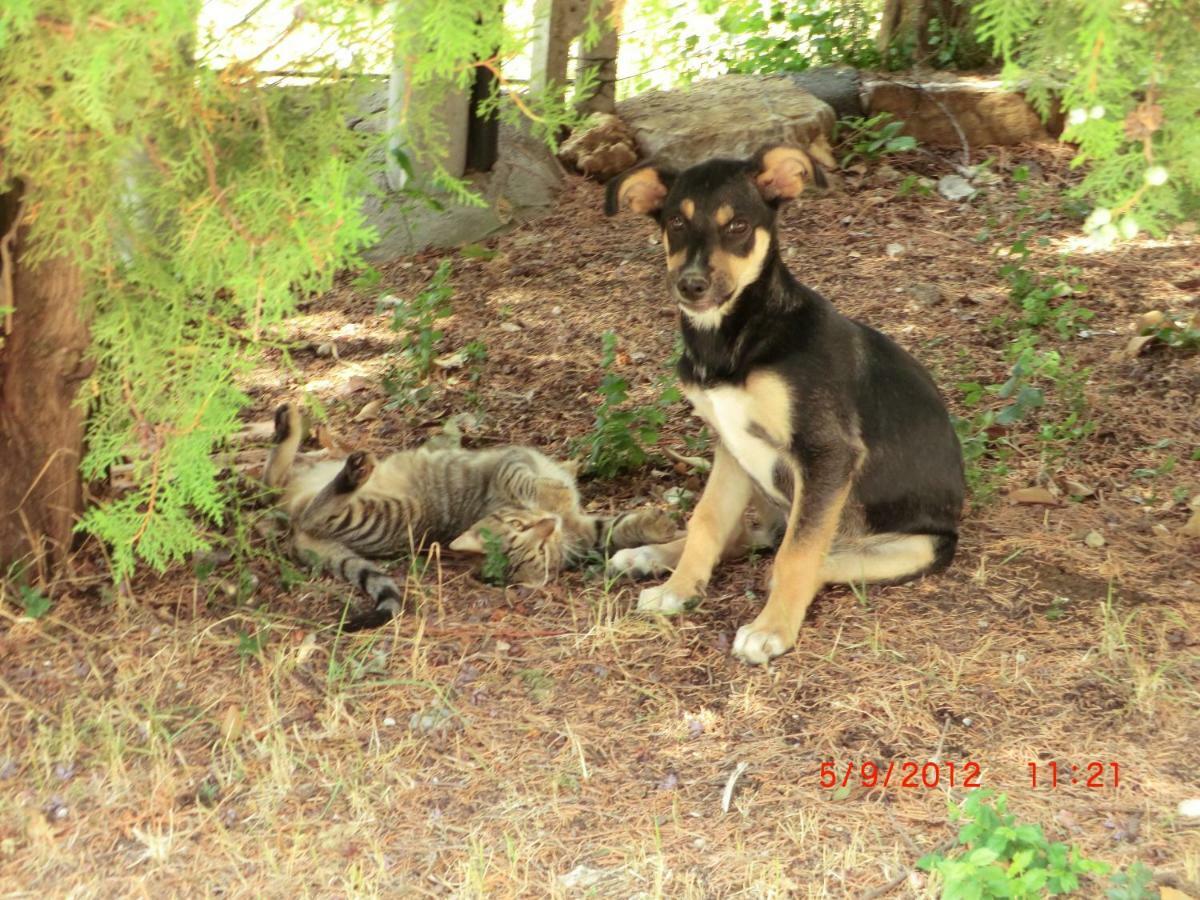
783, 170
641, 189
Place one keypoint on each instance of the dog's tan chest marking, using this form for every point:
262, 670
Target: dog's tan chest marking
754, 423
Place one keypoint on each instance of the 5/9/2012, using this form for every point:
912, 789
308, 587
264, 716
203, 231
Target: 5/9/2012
901, 773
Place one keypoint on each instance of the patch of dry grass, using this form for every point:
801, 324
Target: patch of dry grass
166, 739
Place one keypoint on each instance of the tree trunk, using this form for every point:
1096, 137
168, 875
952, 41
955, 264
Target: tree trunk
43, 342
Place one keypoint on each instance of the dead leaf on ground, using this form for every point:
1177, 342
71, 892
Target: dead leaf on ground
231, 723
354, 384
1078, 488
38, 830
455, 360
1135, 346
1192, 527
1033, 495
369, 411
1151, 319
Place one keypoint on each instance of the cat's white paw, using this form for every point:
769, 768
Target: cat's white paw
637, 562
663, 600
757, 645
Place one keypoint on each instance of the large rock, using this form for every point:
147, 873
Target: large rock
986, 111
733, 116
839, 86
522, 185
602, 147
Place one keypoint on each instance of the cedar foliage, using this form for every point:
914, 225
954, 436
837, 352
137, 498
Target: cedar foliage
201, 202
1128, 75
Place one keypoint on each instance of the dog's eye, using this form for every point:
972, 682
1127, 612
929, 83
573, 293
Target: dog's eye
737, 226
675, 223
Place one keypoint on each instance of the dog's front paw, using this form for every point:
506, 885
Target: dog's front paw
757, 644
637, 562
667, 599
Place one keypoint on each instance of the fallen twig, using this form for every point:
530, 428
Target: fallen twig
730, 784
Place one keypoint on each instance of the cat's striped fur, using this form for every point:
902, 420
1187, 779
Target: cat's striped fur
347, 512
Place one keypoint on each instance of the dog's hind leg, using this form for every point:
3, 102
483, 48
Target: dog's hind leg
887, 558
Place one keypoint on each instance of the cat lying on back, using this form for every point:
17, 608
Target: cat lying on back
348, 512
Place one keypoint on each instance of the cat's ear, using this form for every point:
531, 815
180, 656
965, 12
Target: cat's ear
545, 528
468, 542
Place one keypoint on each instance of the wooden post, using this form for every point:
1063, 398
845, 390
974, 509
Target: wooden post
601, 61
556, 24
452, 109
393, 171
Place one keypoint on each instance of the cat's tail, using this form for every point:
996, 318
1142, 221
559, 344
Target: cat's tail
361, 572
289, 432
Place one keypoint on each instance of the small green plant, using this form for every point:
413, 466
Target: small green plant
871, 139
914, 184
540, 684
417, 322
36, 603
1000, 858
1044, 304
475, 354
620, 435
1057, 608
1042, 300
1135, 883
250, 646
495, 560
1176, 332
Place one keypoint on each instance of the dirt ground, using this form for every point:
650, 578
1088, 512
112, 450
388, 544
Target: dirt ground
209, 733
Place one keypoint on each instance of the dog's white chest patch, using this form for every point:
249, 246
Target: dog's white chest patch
753, 422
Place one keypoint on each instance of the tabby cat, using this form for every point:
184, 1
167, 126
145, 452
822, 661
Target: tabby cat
343, 512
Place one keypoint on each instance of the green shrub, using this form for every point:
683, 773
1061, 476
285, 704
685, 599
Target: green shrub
1000, 858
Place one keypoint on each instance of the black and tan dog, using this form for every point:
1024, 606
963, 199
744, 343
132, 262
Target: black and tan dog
831, 429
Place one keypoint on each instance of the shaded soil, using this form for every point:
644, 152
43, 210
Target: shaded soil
186, 731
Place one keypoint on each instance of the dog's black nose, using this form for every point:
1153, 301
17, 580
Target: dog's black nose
692, 286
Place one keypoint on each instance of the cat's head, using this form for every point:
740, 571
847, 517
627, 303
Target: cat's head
529, 542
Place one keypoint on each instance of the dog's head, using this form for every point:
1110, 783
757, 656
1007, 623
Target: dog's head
718, 219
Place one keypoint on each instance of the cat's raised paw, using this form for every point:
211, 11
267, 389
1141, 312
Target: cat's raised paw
657, 526
637, 562
287, 419
554, 496
665, 601
358, 468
